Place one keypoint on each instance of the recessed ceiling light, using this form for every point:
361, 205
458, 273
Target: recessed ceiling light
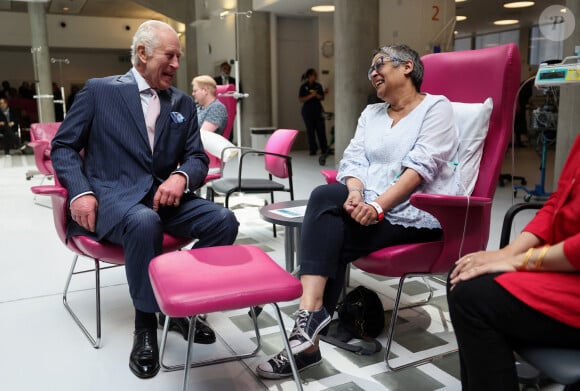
519, 4
460, 1
323, 8
460, 18
506, 22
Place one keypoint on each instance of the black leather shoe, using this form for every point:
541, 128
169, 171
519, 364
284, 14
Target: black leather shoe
144, 359
203, 333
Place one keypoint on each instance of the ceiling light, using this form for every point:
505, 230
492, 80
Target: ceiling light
323, 8
460, 18
519, 4
506, 22
460, 1
224, 13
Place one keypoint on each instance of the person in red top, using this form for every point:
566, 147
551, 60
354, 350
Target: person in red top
527, 293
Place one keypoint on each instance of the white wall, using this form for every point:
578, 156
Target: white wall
297, 50
80, 31
432, 23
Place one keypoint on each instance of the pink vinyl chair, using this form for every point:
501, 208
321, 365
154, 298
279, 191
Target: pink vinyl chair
469, 77
277, 163
84, 246
221, 278
230, 103
41, 135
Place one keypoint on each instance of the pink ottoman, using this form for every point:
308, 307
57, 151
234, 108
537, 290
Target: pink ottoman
204, 280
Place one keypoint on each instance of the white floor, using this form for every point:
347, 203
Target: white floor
42, 349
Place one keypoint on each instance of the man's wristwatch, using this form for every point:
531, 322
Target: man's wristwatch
380, 212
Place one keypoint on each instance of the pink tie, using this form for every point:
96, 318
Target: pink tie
153, 110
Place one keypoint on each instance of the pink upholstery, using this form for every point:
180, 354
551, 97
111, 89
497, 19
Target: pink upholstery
277, 162
231, 106
204, 280
84, 245
280, 142
87, 247
329, 175
212, 279
41, 135
470, 77
230, 103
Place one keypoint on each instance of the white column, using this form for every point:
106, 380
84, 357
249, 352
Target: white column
41, 61
355, 36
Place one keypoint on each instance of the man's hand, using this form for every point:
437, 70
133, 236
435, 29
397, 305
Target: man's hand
84, 211
169, 192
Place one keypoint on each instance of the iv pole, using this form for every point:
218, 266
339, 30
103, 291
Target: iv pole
236, 94
62, 100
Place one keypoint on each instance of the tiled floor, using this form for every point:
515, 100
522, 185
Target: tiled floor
43, 349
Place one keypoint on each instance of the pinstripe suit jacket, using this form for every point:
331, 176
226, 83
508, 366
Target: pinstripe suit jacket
107, 122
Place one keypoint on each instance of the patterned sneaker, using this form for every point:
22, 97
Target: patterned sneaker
308, 325
279, 367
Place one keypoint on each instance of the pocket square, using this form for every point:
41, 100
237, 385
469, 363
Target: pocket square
177, 117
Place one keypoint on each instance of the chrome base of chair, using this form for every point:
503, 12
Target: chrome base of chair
94, 340
188, 364
30, 173
392, 325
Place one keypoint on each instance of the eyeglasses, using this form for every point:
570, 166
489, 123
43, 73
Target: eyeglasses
378, 65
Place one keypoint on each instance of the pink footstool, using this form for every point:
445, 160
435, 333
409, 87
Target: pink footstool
204, 280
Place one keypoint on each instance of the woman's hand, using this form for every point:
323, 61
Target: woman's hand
483, 262
362, 213
354, 198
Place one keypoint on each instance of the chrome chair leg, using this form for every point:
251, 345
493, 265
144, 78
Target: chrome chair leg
392, 325
95, 341
177, 367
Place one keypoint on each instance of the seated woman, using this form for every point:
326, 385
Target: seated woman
400, 147
527, 293
212, 115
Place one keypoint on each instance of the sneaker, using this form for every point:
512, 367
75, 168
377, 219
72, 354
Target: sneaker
308, 325
279, 367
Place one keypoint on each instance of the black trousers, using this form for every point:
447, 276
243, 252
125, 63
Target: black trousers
331, 239
490, 324
315, 129
10, 138
141, 235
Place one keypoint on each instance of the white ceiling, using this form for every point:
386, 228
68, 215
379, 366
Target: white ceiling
480, 13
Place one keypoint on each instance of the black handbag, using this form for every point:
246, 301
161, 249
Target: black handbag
360, 315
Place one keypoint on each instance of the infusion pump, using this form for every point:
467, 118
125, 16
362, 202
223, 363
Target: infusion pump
566, 72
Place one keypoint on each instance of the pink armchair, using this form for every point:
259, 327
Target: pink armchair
470, 77
230, 103
84, 246
41, 135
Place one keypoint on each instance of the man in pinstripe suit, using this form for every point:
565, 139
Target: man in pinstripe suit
128, 191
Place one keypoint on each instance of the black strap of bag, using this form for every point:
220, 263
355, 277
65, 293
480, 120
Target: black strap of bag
361, 350
360, 315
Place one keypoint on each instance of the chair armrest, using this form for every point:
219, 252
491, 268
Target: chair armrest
509, 216
465, 222
257, 152
329, 175
49, 190
39, 145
